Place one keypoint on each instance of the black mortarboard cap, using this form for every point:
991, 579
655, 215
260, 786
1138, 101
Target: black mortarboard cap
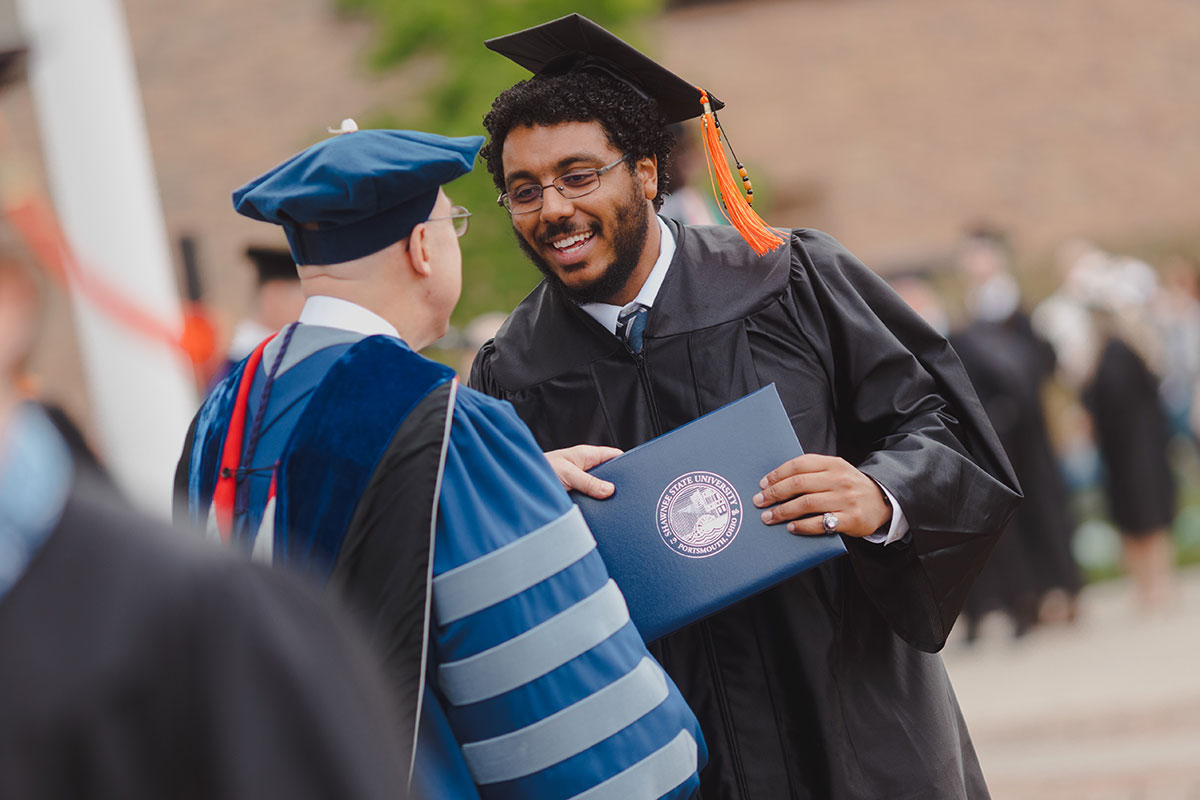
576, 44
272, 264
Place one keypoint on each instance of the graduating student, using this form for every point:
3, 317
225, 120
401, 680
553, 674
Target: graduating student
337, 450
137, 664
828, 685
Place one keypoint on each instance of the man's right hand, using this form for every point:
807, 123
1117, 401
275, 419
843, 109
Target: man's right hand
571, 464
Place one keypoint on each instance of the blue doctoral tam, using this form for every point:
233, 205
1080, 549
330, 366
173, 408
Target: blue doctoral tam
356, 193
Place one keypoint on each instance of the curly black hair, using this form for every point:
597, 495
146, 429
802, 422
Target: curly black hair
633, 124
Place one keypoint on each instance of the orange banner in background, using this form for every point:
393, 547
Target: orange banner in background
42, 234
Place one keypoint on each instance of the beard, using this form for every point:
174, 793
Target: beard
631, 221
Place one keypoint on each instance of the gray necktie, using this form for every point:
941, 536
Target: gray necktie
630, 325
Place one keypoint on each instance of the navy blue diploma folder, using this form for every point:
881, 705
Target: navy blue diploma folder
681, 535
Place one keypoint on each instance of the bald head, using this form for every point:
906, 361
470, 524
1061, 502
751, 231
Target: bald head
414, 283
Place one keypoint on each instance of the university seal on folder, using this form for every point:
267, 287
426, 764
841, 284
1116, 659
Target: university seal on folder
678, 535
699, 514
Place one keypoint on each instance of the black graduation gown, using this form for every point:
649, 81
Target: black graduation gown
137, 665
825, 686
1132, 432
1047, 503
1008, 365
1006, 581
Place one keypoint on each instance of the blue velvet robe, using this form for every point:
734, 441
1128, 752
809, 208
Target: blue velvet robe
532, 681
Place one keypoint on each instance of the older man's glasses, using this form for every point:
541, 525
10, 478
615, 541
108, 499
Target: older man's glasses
529, 198
461, 218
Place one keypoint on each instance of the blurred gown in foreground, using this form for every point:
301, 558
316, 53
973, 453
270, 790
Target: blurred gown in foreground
137, 665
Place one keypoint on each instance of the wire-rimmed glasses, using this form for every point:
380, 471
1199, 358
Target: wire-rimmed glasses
527, 198
461, 218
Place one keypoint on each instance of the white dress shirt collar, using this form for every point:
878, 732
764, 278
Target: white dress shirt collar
333, 312
606, 314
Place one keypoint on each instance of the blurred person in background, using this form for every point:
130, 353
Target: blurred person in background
1032, 574
1063, 318
277, 300
336, 450
1131, 425
827, 684
136, 664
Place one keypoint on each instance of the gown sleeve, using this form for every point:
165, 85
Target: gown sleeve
908, 417
481, 371
547, 685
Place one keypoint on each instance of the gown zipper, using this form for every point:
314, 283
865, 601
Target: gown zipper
640, 360
735, 750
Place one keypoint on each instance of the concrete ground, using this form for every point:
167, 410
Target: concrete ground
1108, 709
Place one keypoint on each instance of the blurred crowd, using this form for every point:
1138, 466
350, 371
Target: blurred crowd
1094, 387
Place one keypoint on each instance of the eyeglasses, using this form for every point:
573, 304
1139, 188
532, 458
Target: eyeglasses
461, 217
527, 199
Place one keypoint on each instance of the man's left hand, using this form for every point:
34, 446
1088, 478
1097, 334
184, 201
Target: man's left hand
571, 464
810, 485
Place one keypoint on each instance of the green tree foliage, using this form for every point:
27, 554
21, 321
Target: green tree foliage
449, 35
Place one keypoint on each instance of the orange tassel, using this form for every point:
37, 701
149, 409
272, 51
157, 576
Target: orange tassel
761, 237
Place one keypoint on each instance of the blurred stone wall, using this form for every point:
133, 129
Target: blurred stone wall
892, 123
889, 123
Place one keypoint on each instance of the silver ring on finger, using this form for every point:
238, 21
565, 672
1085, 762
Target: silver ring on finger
829, 522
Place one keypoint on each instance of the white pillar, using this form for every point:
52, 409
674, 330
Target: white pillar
97, 155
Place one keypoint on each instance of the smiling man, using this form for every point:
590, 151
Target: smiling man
828, 685
605, 256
